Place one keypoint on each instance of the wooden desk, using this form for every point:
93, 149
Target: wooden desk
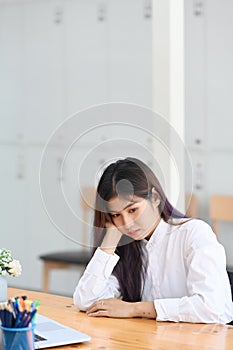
130, 334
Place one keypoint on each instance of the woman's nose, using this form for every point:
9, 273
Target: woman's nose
127, 221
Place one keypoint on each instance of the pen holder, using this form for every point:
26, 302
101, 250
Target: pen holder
18, 338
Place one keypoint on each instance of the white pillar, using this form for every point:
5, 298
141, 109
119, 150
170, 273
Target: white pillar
168, 89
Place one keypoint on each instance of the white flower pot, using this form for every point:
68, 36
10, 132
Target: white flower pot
3, 289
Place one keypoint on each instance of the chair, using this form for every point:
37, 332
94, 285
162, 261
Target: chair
191, 205
221, 209
66, 259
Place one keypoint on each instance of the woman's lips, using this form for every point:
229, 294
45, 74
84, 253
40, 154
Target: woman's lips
133, 232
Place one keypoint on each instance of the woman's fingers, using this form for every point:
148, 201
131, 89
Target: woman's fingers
97, 305
98, 308
100, 313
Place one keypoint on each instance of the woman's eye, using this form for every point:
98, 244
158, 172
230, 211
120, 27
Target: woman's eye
114, 215
132, 210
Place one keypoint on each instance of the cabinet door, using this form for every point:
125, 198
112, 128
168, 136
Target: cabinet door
43, 95
219, 74
43, 225
129, 52
11, 72
195, 71
84, 55
12, 204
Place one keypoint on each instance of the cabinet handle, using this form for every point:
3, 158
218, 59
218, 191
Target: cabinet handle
147, 9
58, 15
101, 11
20, 173
198, 7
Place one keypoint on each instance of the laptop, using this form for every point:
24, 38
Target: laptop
49, 333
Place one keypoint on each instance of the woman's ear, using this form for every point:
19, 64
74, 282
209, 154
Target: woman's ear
155, 197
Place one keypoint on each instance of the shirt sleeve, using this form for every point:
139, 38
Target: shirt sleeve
97, 281
209, 296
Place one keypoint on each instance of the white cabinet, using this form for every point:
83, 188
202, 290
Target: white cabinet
43, 74
219, 75
209, 103
62, 56
12, 200
26, 229
41, 226
13, 203
31, 70
12, 66
129, 52
209, 75
108, 54
195, 70
84, 56
59, 57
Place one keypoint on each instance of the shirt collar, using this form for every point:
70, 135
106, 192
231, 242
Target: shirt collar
163, 227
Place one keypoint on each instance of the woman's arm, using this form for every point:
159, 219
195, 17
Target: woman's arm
97, 281
118, 308
111, 239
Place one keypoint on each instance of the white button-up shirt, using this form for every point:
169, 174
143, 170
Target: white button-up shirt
186, 276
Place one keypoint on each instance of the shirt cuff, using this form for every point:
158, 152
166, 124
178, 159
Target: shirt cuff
102, 263
167, 309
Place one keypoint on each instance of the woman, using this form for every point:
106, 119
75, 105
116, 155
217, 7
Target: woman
151, 260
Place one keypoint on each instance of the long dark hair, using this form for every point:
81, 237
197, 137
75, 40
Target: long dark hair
134, 175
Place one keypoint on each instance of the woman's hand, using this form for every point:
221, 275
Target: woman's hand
110, 308
117, 308
111, 238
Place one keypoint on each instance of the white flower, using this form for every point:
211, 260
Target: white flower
14, 268
8, 264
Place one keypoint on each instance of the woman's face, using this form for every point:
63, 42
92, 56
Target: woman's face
136, 217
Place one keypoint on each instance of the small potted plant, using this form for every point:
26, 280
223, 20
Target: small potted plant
9, 266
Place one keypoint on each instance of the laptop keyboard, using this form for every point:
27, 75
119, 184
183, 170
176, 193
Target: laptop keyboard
38, 338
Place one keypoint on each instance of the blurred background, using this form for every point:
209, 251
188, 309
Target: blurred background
58, 57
